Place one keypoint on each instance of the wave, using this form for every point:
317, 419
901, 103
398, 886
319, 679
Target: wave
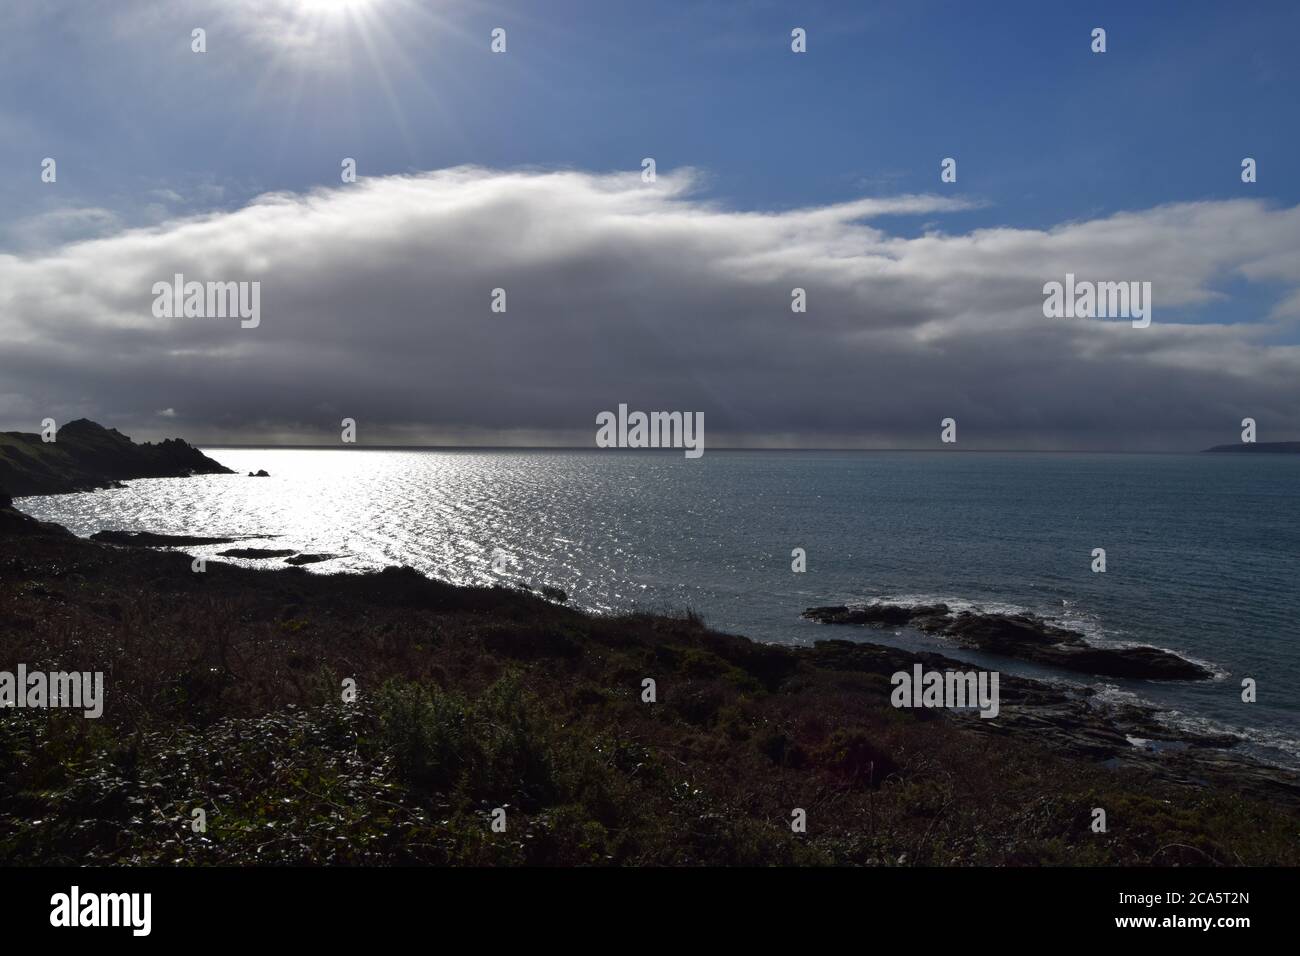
1264, 744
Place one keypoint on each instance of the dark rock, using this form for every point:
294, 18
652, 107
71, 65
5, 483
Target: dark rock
148, 539
258, 474
1138, 663
1024, 636
875, 615
1006, 634
256, 553
1031, 638
301, 559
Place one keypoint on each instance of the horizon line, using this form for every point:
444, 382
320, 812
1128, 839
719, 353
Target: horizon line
743, 448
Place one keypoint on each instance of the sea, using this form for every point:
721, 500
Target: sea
1202, 552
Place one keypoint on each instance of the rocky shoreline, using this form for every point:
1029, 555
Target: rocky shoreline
1074, 721
1023, 636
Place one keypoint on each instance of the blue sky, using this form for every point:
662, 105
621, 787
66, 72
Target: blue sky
1123, 165
1043, 129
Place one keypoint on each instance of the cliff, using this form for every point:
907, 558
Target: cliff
85, 456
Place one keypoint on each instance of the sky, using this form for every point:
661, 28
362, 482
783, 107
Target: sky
522, 170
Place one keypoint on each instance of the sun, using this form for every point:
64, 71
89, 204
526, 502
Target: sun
334, 6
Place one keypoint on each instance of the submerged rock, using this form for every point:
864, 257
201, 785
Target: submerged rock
300, 559
256, 553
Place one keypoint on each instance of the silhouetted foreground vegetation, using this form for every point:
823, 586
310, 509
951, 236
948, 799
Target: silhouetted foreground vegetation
223, 693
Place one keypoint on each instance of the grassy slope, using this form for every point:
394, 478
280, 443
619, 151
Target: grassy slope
224, 694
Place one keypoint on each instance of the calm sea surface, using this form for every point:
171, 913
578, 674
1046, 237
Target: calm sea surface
1202, 550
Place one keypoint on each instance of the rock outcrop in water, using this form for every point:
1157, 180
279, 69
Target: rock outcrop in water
1024, 636
298, 560
257, 553
151, 539
85, 456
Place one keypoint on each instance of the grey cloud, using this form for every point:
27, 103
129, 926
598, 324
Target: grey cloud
375, 305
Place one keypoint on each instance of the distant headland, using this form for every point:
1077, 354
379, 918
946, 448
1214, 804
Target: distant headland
1261, 447
84, 456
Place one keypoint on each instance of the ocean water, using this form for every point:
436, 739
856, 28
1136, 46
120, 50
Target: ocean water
1202, 550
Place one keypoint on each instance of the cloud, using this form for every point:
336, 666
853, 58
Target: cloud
375, 305
59, 226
